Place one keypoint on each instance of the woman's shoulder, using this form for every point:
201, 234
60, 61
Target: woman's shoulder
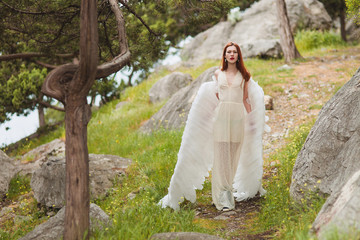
217, 73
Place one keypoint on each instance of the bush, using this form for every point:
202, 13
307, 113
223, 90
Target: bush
306, 40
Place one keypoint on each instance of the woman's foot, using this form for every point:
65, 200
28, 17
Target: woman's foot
225, 209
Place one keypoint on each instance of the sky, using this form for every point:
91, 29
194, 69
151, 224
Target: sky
20, 126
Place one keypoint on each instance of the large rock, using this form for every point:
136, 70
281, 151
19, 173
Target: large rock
341, 211
184, 236
33, 159
257, 31
53, 228
7, 172
48, 182
174, 113
331, 153
168, 85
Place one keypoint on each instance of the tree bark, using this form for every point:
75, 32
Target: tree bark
286, 37
77, 116
41, 116
342, 24
77, 221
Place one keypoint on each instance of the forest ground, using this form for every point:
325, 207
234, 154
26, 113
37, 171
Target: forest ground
309, 86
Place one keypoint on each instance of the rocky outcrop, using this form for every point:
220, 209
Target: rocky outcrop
7, 172
341, 211
168, 85
48, 182
53, 228
33, 159
331, 153
257, 31
174, 113
184, 236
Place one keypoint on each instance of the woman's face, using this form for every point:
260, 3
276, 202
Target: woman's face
231, 54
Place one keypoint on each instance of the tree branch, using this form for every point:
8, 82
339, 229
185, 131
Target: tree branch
45, 65
46, 104
141, 20
39, 13
31, 55
123, 58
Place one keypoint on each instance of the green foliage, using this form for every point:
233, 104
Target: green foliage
19, 89
307, 40
19, 185
53, 116
278, 210
353, 9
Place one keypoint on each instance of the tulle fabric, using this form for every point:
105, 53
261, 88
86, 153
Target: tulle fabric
196, 154
228, 138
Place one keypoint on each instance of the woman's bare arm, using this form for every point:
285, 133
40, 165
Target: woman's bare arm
246, 97
217, 72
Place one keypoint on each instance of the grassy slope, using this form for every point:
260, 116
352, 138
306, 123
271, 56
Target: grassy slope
113, 131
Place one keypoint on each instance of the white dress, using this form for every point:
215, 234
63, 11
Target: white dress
197, 150
229, 127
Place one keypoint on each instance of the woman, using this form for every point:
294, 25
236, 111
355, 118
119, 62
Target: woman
223, 132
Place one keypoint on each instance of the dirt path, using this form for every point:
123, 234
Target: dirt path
311, 84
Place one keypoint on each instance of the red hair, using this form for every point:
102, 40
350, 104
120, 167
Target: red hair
239, 63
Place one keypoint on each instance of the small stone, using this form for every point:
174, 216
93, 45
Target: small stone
284, 68
221, 217
5, 210
131, 195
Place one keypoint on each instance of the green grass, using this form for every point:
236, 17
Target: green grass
307, 40
27, 213
18, 186
279, 212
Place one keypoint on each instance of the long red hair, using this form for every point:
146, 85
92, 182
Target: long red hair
239, 63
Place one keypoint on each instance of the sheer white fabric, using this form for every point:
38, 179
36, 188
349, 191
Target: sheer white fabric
228, 138
198, 148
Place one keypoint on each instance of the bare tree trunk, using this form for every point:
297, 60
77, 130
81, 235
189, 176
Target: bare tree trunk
286, 37
77, 221
70, 84
342, 24
41, 112
77, 116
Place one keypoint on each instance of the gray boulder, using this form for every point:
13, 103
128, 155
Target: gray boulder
53, 228
174, 113
183, 236
331, 153
7, 172
48, 182
168, 85
257, 31
33, 159
341, 211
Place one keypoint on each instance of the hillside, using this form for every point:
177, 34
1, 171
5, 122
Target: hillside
298, 92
